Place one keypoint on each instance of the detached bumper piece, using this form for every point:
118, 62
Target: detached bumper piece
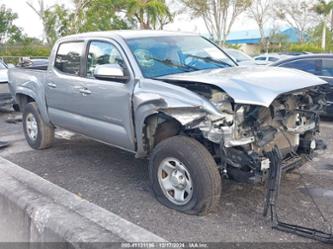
272, 198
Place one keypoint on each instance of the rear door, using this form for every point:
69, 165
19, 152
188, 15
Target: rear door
310, 65
63, 86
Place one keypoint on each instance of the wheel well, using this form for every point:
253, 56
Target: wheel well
22, 100
159, 127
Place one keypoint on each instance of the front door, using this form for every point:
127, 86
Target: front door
106, 104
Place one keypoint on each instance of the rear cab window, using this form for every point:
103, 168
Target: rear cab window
327, 67
68, 57
308, 65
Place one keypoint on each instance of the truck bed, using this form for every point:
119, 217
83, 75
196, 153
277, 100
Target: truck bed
35, 64
22, 76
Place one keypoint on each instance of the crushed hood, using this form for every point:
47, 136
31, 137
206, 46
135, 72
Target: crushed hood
257, 85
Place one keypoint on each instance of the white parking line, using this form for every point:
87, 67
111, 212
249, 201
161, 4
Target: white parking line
56, 195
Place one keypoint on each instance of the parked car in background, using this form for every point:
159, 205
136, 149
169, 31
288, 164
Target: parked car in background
5, 96
317, 64
294, 53
266, 59
240, 57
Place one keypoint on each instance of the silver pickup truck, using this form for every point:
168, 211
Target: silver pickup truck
178, 100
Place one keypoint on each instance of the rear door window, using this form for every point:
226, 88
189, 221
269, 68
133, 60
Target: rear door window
308, 65
68, 58
260, 58
273, 59
327, 67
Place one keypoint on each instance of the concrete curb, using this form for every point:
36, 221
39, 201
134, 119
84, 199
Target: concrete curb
35, 210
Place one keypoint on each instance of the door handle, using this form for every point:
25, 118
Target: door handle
85, 91
52, 85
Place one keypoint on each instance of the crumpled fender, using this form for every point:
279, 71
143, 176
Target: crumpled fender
152, 97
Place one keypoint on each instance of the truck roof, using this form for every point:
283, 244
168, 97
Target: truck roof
127, 34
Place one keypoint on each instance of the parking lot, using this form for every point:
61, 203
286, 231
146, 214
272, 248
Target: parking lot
115, 180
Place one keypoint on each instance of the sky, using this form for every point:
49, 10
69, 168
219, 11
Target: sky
32, 26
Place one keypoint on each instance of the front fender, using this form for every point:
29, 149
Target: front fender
152, 97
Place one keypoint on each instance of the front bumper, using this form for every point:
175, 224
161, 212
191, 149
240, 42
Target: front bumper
258, 175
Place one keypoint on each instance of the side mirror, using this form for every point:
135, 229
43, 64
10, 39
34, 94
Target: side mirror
111, 72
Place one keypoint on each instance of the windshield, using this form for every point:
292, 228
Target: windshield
159, 56
238, 55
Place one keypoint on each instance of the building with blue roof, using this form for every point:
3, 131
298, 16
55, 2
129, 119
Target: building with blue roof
249, 40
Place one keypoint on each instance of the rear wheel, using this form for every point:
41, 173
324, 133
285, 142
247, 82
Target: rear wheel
184, 176
38, 133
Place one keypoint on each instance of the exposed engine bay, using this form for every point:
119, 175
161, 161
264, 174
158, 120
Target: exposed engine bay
242, 135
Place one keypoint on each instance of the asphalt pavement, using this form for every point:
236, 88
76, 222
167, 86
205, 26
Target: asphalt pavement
115, 180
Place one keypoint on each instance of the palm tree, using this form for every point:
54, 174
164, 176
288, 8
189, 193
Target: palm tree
326, 11
148, 12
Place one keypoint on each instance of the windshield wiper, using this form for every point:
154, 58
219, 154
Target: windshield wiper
168, 62
209, 59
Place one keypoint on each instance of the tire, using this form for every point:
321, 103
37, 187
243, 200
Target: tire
200, 169
45, 133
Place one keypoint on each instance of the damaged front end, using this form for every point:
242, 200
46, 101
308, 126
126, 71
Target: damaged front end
240, 136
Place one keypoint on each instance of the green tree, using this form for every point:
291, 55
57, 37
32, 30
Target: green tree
325, 11
102, 15
298, 14
218, 15
261, 12
58, 22
40, 9
148, 13
7, 27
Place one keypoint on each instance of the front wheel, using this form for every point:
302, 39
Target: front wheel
38, 133
184, 176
